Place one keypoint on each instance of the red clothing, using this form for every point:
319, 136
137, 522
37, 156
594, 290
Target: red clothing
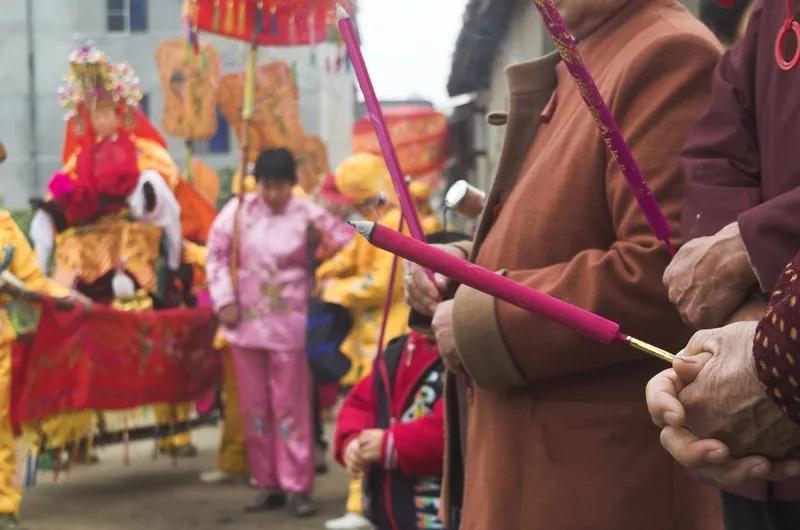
404, 491
739, 160
108, 171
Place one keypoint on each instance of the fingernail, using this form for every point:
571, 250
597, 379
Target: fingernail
672, 418
717, 455
759, 469
793, 470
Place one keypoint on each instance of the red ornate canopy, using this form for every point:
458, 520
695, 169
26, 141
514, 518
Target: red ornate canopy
281, 22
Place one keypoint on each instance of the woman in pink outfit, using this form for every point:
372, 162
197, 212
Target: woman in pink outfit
265, 323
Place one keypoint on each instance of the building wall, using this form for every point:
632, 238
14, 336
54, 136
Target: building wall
326, 100
526, 39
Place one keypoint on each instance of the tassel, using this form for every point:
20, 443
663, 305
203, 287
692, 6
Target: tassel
59, 463
292, 30
216, 17
273, 20
229, 17
126, 443
242, 25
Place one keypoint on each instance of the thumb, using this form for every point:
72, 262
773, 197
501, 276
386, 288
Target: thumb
688, 368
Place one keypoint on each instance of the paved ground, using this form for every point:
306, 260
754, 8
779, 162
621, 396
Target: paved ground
155, 495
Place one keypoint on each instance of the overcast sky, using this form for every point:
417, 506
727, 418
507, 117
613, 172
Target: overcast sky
408, 46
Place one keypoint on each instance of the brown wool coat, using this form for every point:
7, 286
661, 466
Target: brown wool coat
559, 436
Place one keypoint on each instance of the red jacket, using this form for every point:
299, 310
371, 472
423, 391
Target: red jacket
404, 491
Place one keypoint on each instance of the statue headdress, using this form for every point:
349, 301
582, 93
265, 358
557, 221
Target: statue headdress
93, 79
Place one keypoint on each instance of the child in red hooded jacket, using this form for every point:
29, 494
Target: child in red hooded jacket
391, 430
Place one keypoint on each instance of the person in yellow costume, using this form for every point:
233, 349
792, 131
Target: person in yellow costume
24, 266
232, 457
358, 278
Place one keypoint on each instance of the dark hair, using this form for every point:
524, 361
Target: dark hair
276, 165
723, 21
445, 237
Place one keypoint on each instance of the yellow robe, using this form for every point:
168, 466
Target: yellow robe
24, 266
359, 277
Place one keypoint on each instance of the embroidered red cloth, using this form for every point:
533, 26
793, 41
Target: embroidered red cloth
110, 359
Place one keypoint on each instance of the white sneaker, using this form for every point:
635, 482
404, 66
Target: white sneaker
349, 521
216, 476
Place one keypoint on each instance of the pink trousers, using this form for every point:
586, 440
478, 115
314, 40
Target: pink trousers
274, 398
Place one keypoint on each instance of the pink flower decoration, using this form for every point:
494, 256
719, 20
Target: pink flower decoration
60, 185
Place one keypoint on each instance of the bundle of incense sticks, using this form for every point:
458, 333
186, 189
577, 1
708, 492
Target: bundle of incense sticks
606, 124
585, 322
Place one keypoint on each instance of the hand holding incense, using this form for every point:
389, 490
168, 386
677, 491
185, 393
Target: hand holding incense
591, 325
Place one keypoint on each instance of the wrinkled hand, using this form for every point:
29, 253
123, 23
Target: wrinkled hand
230, 315
711, 406
726, 400
371, 442
710, 277
442, 326
420, 292
353, 460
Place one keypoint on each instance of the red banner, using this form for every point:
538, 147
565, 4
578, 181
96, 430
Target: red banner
110, 359
419, 135
281, 23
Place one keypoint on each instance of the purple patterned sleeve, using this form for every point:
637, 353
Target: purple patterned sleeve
777, 349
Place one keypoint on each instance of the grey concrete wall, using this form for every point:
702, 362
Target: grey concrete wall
326, 100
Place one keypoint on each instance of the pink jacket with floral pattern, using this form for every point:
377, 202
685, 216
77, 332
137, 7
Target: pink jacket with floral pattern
274, 269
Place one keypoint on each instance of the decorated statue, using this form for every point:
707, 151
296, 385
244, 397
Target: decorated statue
119, 189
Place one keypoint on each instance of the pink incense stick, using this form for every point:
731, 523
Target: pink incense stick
585, 322
379, 123
609, 129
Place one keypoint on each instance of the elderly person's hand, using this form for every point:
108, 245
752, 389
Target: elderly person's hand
420, 292
710, 277
712, 406
442, 325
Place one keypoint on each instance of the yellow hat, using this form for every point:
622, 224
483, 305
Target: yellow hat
419, 190
364, 176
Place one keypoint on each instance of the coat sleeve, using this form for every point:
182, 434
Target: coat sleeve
357, 414
416, 448
659, 97
219, 247
722, 165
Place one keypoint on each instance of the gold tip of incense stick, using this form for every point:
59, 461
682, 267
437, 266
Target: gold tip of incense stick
341, 12
649, 349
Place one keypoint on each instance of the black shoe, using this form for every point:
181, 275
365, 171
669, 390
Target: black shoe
266, 500
303, 506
